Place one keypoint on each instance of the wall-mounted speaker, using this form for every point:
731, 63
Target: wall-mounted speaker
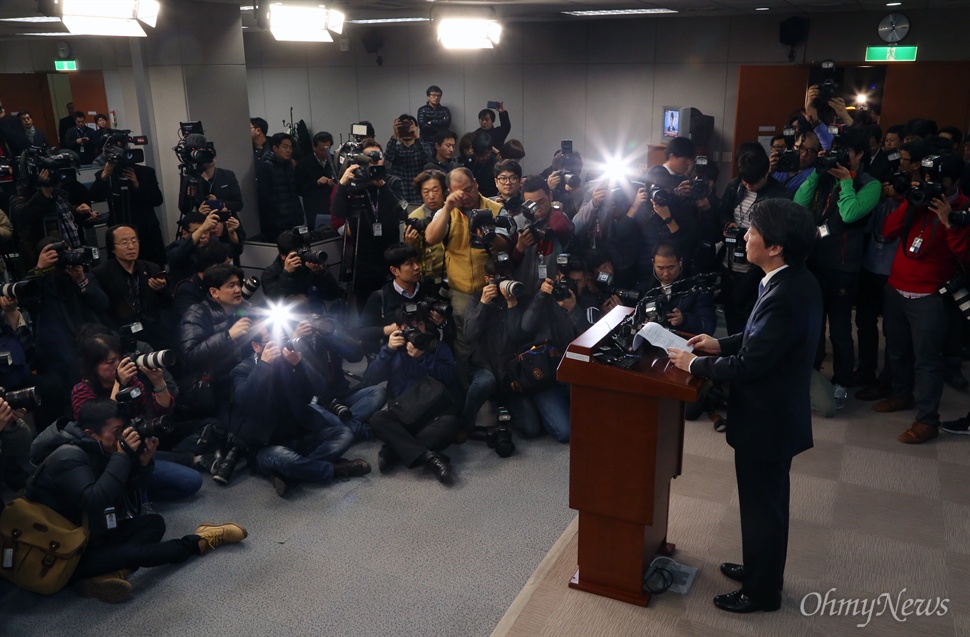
792, 32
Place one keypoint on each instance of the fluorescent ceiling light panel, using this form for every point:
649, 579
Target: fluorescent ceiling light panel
469, 34
388, 20
122, 9
608, 12
81, 25
39, 18
148, 12
335, 21
299, 23
50, 34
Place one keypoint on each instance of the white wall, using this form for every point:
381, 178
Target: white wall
601, 83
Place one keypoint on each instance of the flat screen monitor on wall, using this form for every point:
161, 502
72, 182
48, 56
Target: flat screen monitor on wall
686, 122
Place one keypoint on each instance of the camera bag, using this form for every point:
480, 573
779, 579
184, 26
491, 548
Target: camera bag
422, 401
534, 370
40, 547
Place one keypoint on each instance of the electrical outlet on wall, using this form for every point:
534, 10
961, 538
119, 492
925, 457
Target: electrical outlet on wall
344, 44
727, 158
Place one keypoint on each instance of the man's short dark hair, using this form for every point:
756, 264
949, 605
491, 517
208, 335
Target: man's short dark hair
80, 114
857, 139
917, 150
216, 276
427, 175
190, 218
287, 242
22, 113
278, 138
954, 134
260, 123
398, 254
595, 258
212, 253
782, 222
753, 162
370, 142
951, 166
680, 147
898, 130
95, 414
322, 137
486, 112
434, 88
535, 183
512, 149
508, 166
921, 127
443, 135
665, 249
102, 116
776, 138
481, 143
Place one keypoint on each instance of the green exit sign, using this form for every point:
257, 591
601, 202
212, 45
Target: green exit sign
891, 54
65, 65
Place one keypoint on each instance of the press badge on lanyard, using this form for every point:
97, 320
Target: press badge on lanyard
823, 230
917, 243
110, 520
378, 229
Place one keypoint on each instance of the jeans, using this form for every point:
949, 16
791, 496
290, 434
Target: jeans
363, 403
915, 332
308, 458
838, 294
553, 407
480, 388
171, 481
135, 543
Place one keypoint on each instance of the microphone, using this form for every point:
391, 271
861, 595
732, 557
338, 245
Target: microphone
362, 159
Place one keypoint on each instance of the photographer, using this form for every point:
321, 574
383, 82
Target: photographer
107, 370
273, 417
92, 471
316, 177
375, 209
605, 223
808, 147
406, 156
508, 180
377, 321
433, 118
214, 183
137, 290
739, 280
298, 277
279, 200
432, 184
190, 291
914, 314
486, 121
41, 209
840, 199
544, 234
132, 194
411, 354
464, 265
195, 233
672, 174
564, 179
692, 312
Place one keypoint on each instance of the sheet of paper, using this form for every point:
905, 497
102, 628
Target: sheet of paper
660, 337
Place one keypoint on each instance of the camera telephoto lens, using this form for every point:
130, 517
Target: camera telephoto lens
504, 446
222, 471
155, 360
28, 398
154, 427
249, 287
340, 410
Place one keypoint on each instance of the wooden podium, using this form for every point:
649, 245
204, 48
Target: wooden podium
626, 444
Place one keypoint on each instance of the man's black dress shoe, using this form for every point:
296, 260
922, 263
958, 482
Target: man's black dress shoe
733, 571
738, 602
440, 468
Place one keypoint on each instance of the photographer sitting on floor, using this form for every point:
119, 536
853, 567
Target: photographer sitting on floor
273, 417
411, 354
92, 472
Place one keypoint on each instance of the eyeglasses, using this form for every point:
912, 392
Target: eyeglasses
124, 243
507, 180
807, 149
434, 94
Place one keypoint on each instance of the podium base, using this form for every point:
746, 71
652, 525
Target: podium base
640, 599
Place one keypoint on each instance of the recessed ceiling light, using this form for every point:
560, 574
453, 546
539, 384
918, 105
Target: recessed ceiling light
39, 18
606, 12
247, 8
389, 20
58, 34
893, 4
761, 9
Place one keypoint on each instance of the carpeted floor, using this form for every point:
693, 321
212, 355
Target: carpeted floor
869, 516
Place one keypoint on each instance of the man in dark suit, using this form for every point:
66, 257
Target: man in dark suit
65, 124
769, 366
315, 178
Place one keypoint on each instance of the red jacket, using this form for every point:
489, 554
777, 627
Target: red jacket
941, 251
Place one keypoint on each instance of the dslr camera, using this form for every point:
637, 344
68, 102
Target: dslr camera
28, 398
418, 225
538, 227
659, 195
700, 188
736, 245
831, 159
788, 161
85, 256
927, 191
485, 229
20, 289
571, 166
828, 88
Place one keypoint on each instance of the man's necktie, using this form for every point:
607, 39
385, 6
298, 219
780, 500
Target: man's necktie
761, 287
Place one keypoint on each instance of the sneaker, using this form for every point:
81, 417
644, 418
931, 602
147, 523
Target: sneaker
344, 468
960, 426
111, 588
215, 535
890, 405
208, 461
840, 393
918, 433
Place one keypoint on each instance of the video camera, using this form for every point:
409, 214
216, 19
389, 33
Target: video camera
61, 166
789, 161
368, 173
194, 153
116, 149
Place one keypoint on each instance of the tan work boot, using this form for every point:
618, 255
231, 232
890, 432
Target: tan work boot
111, 588
215, 535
